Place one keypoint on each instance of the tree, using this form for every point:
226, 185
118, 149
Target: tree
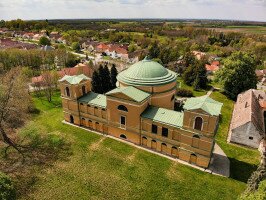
14, 105
44, 41
113, 76
7, 189
106, 80
75, 46
195, 75
154, 50
49, 84
238, 74
96, 82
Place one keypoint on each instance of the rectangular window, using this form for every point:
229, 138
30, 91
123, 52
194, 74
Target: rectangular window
154, 129
123, 120
165, 132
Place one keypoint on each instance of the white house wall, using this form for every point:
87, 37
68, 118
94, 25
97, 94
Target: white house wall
241, 135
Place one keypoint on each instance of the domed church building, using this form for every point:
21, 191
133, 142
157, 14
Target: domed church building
141, 110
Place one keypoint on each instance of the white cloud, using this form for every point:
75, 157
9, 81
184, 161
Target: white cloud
215, 9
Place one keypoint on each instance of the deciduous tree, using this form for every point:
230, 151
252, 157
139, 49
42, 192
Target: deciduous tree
44, 41
14, 104
238, 74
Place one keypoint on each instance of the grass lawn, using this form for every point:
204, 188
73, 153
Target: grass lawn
185, 86
103, 168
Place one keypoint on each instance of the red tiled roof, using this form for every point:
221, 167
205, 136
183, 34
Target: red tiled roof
212, 68
117, 49
102, 47
78, 69
215, 62
249, 109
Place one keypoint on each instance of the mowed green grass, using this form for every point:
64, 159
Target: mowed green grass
103, 168
183, 85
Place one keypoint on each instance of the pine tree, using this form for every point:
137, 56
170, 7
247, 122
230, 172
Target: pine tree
113, 76
101, 78
106, 80
96, 86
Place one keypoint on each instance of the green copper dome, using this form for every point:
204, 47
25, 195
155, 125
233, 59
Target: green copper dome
146, 72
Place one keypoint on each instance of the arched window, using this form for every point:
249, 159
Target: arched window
122, 107
123, 136
193, 158
67, 92
198, 123
153, 144
83, 90
71, 119
164, 148
174, 151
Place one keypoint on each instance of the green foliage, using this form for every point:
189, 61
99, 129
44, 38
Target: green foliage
44, 41
96, 82
154, 50
132, 48
75, 46
113, 75
259, 194
255, 179
105, 79
34, 58
7, 189
238, 74
184, 92
195, 75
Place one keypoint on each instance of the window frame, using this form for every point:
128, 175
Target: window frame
122, 108
123, 126
167, 134
154, 126
202, 122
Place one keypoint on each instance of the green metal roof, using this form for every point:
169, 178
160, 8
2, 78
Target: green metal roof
76, 79
147, 73
132, 92
94, 99
165, 116
205, 103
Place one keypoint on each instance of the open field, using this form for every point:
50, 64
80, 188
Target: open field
103, 168
243, 29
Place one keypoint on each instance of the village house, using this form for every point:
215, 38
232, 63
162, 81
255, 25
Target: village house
198, 54
117, 51
80, 68
89, 45
141, 110
248, 120
28, 35
213, 67
55, 37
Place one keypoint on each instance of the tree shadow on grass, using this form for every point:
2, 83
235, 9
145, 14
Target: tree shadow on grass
240, 170
37, 158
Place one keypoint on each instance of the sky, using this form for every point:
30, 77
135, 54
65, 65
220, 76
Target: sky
252, 10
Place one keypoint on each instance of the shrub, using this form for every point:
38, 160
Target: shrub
184, 92
7, 190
